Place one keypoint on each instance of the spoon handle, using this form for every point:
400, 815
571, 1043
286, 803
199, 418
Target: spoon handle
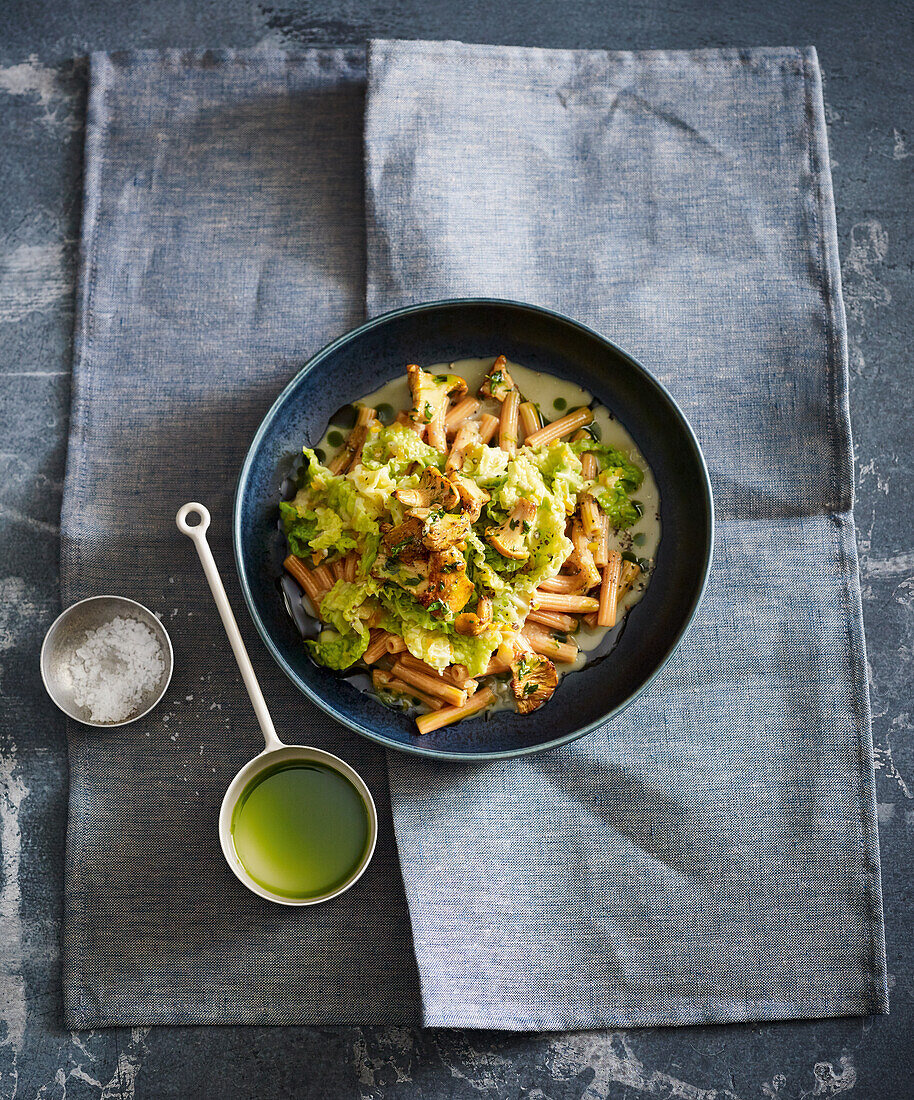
197, 534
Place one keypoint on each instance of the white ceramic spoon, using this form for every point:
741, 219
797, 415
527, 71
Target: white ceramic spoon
275, 752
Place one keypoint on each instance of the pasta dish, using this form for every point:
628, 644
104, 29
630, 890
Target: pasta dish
467, 537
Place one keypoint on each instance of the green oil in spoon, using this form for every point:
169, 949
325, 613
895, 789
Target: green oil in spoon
300, 829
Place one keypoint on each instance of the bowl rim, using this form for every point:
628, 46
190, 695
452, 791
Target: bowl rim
426, 307
65, 613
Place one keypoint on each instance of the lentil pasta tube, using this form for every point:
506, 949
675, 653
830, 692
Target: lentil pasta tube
609, 590
558, 428
426, 723
507, 429
297, 569
459, 413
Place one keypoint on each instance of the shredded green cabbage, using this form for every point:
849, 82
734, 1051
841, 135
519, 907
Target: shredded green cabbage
333, 514
338, 651
618, 478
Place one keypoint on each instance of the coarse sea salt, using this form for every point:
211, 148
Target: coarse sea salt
114, 667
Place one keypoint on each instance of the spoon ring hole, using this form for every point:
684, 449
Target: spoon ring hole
193, 519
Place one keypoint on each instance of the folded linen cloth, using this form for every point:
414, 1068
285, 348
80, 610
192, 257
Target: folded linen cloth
709, 856
223, 244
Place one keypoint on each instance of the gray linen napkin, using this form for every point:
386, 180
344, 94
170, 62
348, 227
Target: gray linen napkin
223, 244
711, 855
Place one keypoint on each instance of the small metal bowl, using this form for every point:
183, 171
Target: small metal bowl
69, 630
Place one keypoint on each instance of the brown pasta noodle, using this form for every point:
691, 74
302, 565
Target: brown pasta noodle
561, 583
588, 466
528, 417
601, 543
507, 429
385, 682
324, 577
460, 412
609, 590
377, 647
560, 427
558, 601
433, 685
591, 518
455, 674
541, 641
426, 723
588, 570
297, 569
351, 451
488, 425
553, 619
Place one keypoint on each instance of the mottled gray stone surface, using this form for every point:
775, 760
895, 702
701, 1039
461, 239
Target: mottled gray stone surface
866, 54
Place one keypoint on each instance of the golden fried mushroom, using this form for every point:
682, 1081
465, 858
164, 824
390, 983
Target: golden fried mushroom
434, 490
467, 434
509, 538
404, 542
402, 557
449, 588
431, 395
498, 383
533, 680
472, 497
442, 529
472, 623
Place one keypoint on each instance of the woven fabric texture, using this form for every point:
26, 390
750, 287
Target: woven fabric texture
710, 856
223, 243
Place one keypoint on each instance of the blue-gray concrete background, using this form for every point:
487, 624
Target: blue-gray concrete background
866, 54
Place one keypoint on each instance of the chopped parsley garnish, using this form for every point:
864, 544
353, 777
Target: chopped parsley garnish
396, 550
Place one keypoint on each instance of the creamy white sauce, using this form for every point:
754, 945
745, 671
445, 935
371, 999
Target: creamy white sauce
544, 390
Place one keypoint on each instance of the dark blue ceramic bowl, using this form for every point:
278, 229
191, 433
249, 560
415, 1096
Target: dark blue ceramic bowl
437, 332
